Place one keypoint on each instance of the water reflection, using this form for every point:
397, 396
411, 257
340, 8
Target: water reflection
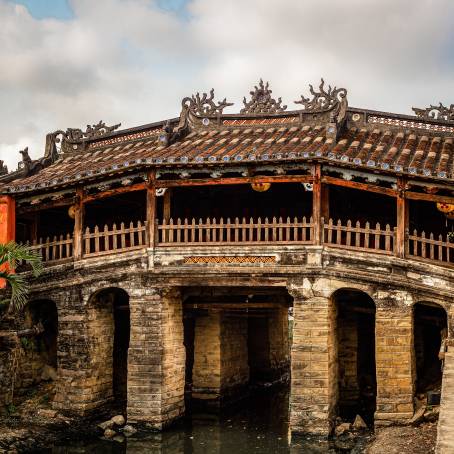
258, 425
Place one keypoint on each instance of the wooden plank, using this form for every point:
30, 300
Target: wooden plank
78, 223
402, 221
167, 204
235, 180
317, 202
357, 185
151, 210
45, 206
429, 197
116, 191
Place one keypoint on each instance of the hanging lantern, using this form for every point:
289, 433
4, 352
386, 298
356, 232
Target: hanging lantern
72, 211
445, 207
260, 187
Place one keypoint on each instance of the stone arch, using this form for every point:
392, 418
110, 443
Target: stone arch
353, 347
430, 329
109, 330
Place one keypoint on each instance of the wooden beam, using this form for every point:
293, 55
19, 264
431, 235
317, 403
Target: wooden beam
361, 186
235, 180
236, 306
45, 206
78, 224
112, 192
429, 197
402, 220
151, 209
317, 202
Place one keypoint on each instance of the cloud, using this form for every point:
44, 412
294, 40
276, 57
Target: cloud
132, 61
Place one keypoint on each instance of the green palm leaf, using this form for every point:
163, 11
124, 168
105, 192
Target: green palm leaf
12, 254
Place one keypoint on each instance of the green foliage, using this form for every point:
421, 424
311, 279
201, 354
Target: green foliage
28, 344
11, 409
12, 254
44, 399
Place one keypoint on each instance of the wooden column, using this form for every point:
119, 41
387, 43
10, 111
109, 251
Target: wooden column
34, 229
167, 204
78, 224
324, 209
151, 210
7, 225
402, 220
317, 203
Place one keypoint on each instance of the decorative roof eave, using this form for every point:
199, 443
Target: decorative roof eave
292, 157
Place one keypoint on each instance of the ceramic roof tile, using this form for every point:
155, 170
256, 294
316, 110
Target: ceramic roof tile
384, 147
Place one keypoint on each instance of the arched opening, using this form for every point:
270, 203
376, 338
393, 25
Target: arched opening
113, 321
237, 342
43, 315
355, 350
430, 325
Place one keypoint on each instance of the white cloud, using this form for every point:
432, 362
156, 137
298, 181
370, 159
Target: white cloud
130, 61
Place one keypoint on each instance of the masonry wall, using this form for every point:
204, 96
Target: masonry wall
156, 358
206, 371
394, 363
234, 353
348, 358
220, 356
279, 344
313, 383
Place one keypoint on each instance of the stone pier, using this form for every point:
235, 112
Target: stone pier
313, 386
394, 358
220, 369
156, 358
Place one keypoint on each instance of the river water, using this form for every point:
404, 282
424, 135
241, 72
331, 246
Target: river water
258, 425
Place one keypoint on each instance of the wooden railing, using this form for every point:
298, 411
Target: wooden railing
111, 240
56, 249
439, 250
220, 232
360, 238
212, 232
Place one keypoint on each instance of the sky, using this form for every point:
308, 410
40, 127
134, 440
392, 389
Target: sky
68, 63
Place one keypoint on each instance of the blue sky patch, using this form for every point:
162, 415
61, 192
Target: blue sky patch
42, 9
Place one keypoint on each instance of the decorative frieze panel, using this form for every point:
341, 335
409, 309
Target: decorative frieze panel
227, 260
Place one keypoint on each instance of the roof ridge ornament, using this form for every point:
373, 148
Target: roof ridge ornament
92, 132
323, 100
204, 105
261, 101
432, 112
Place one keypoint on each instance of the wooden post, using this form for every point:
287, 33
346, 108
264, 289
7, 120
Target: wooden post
166, 212
167, 205
78, 224
403, 217
34, 229
7, 226
151, 210
317, 203
324, 209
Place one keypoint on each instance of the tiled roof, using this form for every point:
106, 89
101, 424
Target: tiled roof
324, 129
379, 147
